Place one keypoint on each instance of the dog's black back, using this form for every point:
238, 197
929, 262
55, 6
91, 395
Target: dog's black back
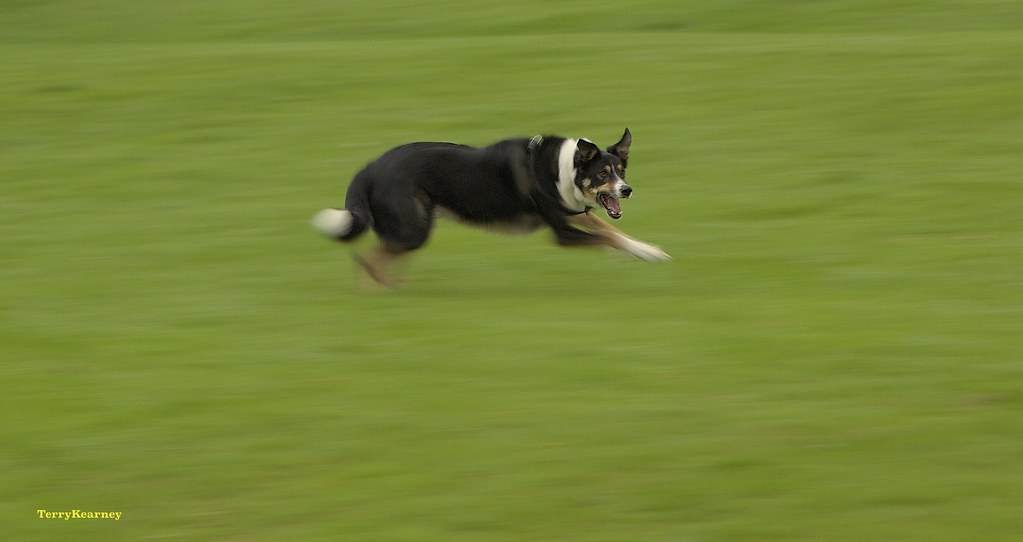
499, 186
477, 184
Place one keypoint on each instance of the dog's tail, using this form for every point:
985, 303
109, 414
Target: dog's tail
334, 223
347, 224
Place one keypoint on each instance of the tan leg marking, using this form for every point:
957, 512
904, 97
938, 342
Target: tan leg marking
614, 238
376, 264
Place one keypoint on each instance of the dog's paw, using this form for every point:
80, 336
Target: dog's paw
646, 252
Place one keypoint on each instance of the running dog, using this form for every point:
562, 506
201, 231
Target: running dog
513, 186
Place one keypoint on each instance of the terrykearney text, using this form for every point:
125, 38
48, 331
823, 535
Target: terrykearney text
78, 514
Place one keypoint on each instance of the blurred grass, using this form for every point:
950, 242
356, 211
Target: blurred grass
834, 353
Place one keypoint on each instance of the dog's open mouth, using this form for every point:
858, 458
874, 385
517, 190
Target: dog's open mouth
611, 205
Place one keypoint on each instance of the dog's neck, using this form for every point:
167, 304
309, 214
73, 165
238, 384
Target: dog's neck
571, 196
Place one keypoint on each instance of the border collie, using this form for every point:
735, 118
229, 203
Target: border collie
513, 186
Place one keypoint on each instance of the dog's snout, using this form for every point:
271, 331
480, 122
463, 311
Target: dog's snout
626, 190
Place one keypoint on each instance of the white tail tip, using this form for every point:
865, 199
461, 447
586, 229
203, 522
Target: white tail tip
333, 222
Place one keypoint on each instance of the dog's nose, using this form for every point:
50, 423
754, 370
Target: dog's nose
626, 190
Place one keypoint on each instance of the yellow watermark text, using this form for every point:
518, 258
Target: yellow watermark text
68, 515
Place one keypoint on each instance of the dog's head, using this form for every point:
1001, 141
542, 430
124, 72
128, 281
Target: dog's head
600, 175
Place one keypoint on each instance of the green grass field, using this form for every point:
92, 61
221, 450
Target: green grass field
834, 354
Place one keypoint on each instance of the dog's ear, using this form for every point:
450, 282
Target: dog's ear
621, 149
585, 151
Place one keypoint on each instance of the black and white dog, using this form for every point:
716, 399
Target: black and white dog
512, 186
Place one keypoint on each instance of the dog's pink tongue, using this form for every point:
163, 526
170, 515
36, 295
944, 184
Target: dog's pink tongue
613, 206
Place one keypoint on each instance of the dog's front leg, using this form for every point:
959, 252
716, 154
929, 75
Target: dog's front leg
616, 239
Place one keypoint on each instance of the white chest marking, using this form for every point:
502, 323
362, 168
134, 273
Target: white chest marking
571, 196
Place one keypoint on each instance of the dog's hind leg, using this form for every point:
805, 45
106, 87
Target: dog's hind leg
377, 266
403, 224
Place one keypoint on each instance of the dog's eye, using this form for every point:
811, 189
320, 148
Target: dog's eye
602, 175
